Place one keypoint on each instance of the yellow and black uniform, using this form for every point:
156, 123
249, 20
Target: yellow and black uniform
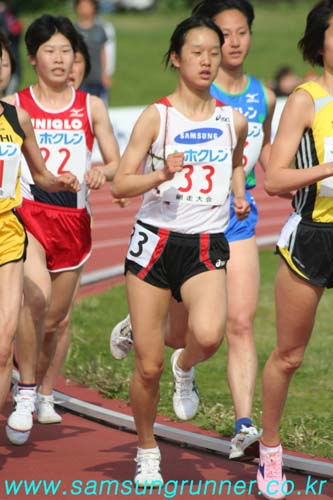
13, 239
306, 241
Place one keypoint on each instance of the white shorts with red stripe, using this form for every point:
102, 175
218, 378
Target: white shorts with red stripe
167, 259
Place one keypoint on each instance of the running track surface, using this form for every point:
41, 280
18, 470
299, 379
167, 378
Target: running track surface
87, 452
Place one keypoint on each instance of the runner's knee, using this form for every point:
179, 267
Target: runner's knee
150, 370
240, 327
289, 361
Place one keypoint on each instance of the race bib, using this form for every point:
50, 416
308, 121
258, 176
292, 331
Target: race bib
326, 185
142, 245
63, 151
10, 157
205, 177
252, 146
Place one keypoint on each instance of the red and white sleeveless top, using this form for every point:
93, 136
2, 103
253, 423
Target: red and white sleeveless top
65, 138
197, 199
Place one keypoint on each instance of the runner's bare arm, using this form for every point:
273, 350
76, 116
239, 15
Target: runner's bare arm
41, 175
267, 128
105, 137
241, 206
296, 117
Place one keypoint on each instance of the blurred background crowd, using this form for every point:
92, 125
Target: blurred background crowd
93, 21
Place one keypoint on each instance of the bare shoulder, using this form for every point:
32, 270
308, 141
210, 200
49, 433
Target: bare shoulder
271, 97
23, 117
147, 125
239, 120
149, 117
300, 106
97, 106
9, 99
300, 98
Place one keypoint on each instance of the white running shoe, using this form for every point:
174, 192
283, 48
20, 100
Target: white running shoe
21, 418
46, 413
121, 340
185, 395
245, 444
148, 472
17, 437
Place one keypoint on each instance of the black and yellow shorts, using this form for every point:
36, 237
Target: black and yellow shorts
307, 249
13, 238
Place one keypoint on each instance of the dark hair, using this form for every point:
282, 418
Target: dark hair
5, 45
94, 2
317, 23
177, 39
211, 8
83, 49
44, 27
3, 42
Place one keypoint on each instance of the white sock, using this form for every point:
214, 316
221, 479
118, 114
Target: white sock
270, 449
183, 373
143, 451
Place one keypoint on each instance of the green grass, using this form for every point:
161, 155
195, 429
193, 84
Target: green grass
307, 422
143, 38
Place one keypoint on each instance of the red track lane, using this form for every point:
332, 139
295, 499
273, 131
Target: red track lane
81, 450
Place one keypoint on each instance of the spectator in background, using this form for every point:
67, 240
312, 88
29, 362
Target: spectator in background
110, 49
285, 81
98, 82
12, 28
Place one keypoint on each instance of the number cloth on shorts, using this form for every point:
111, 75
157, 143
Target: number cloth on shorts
197, 199
65, 139
13, 238
168, 259
242, 229
64, 233
307, 249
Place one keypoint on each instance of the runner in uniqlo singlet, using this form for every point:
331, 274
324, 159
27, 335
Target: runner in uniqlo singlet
65, 122
16, 136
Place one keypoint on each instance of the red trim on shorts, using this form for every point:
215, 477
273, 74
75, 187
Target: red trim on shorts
163, 234
219, 103
204, 251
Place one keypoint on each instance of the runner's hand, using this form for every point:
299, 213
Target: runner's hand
241, 207
68, 182
174, 163
95, 178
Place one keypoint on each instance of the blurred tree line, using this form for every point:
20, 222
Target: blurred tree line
22, 6
29, 6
